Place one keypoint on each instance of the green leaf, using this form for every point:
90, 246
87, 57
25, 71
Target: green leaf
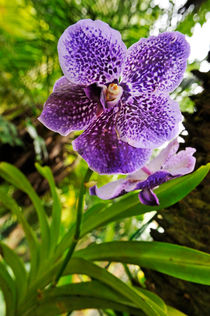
17, 178
178, 261
11, 204
174, 312
93, 289
17, 267
142, 301
56, 210
68, 303
7, 286
168, 193
155, 300
90, 288
139, 299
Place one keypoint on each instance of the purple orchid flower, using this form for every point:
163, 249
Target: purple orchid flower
166, 166
119, 97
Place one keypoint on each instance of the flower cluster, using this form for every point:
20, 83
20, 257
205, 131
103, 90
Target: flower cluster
118, 96
166, 166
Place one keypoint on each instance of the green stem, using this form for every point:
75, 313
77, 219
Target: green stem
77, 228
129, 274
139, 231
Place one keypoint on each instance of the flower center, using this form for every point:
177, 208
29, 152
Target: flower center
110, 95
113, 93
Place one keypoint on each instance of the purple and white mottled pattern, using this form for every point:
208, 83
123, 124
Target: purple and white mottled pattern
148, 121
154, 180
123, 120
167, 165
146, 195
62, 84
156, 63
68, 108
104, 152
91, 52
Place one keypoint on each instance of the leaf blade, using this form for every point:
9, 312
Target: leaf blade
11, 205
17, 267
8, 288
168, 193
178, 261
130, 206
56, 210
18, 179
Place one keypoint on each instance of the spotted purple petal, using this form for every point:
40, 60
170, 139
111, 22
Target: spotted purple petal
62, 84
154, 180
146, 195
167, 165
147, 121
156, 163
68, 108
156, 63
104, 152
91, 51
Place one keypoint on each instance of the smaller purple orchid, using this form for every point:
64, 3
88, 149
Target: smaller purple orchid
166, 166
118, 96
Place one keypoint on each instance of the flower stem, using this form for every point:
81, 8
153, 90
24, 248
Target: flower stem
78, 224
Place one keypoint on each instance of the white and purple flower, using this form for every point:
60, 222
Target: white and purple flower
119, 96
166, 166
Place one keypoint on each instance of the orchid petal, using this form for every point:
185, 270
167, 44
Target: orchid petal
68, 108
148, 197
91, 52
164, 155
156, 63
104, 152
148, 121
181, 163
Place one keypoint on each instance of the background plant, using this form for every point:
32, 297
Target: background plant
37, 291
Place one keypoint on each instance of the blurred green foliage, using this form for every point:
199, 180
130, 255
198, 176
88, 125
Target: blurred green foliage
30, 29
8, 133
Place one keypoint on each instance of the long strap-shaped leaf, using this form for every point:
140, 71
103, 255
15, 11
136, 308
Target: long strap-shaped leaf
168, 193
7, 286
17, 178
93, 291
140, 299
61, 304
11, 204
56, 209
17, 267
178, 261
174, 312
